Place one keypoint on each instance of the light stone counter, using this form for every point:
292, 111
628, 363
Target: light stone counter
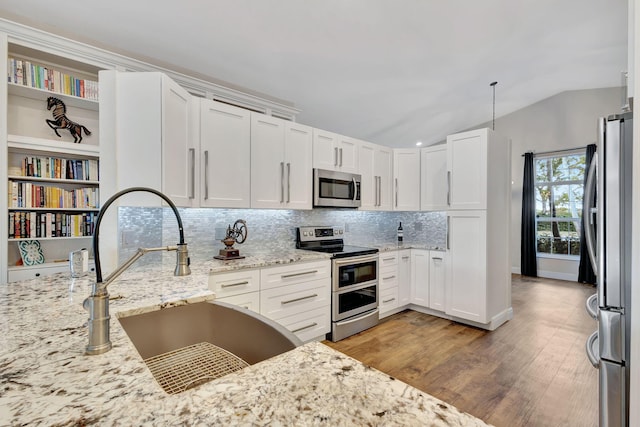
259, 260
45, 379
396, 247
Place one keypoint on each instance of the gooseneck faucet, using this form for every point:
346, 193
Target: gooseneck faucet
98, 302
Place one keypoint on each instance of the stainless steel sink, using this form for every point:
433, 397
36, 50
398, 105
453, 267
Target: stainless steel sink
188, 345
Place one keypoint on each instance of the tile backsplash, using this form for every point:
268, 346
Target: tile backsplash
268, 230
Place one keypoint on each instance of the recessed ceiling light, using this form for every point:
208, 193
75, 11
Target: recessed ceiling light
419, 143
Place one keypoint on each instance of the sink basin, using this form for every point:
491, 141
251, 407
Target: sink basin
191, 344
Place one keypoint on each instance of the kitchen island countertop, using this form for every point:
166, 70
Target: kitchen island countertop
45, 379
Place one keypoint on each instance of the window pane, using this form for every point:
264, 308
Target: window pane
567, 200
543, 205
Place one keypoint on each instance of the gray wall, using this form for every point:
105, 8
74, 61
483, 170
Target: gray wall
566, 120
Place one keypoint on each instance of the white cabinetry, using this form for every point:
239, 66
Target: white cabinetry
281, 163
437, 280
404, 277
150, 131
387, 283
241, 288
479, 266
406, 179
376, 164
225, 152
420, 283
433, 178
334, 152
298, 296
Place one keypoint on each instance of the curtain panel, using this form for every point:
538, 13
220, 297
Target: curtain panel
528, 261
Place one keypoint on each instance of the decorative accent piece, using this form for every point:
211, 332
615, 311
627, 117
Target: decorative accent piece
61, 121
237, 234
31, 252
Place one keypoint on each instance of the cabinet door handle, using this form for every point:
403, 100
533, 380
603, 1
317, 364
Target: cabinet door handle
288, 182
341, 157
192, 194
281, 182
448, 227
379, 191
405, 257
388, 300
448, 188
396, 192
305, 327
436, 258
286, 276
388, 259
299, 299
388, 278
335, 156
206, 174
229, 285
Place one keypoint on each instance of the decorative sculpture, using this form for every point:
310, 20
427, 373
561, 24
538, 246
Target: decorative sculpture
237, 234
61, 121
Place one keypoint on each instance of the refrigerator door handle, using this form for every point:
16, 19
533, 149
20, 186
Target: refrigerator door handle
589, 211
592, 349
592, 306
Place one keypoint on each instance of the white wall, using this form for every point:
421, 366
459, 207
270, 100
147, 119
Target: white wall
566, 120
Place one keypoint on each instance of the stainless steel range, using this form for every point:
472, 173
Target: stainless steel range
354, 277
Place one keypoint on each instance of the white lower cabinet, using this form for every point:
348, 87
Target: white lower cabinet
437, 278
387, 283
298, 296
404, 277
420, 277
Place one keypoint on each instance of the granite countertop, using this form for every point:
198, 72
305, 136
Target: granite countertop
45, 378
258, 260
396, 247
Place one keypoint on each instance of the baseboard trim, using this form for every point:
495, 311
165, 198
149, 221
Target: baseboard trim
571, 277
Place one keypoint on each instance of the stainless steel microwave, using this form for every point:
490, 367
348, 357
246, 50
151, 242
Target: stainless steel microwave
336, 189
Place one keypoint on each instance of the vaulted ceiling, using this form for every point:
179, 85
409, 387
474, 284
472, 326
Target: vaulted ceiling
390, 72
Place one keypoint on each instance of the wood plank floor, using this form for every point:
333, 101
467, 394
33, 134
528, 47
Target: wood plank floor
531, 371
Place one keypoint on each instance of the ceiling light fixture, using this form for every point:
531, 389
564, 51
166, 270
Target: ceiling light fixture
419, 143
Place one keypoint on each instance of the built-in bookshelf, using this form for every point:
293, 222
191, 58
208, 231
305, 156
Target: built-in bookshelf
53, 184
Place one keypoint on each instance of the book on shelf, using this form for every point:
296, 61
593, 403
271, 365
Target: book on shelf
30, 195
25, 73
60, 168
29, 225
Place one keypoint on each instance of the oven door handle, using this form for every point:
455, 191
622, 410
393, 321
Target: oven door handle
355, 260
357, 317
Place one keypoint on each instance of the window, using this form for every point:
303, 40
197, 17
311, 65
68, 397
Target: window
559, 192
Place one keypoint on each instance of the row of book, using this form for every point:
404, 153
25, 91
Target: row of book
30, 195
31, 225
53, 167
25, 73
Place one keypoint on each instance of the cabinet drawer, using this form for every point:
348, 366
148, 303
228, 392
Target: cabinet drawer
250, 301
388, 258
234, 283
388, 278
388, 299
288, 300
310, 324
294, 273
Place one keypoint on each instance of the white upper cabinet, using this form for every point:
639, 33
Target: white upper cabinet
406, 179
375, 163
225, 150
467, 169
281, 163
433, 178
334, 152
178, 146
150, 132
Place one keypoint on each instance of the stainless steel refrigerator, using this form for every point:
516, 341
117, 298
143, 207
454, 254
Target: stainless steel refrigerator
607, 213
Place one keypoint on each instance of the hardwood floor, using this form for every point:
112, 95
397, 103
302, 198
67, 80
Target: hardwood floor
531, 371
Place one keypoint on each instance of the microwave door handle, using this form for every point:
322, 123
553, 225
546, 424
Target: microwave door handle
589, 211
355, 189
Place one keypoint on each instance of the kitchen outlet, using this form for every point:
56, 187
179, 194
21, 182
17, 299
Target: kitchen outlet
347, 228
127, 239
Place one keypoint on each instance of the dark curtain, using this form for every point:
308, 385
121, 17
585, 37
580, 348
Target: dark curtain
528, 262
585, 271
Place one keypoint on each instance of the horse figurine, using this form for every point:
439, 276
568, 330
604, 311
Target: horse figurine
61, 121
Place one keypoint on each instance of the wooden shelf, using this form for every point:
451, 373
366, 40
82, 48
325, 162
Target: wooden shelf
52, 146
53, 180
42, 95
51, 238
